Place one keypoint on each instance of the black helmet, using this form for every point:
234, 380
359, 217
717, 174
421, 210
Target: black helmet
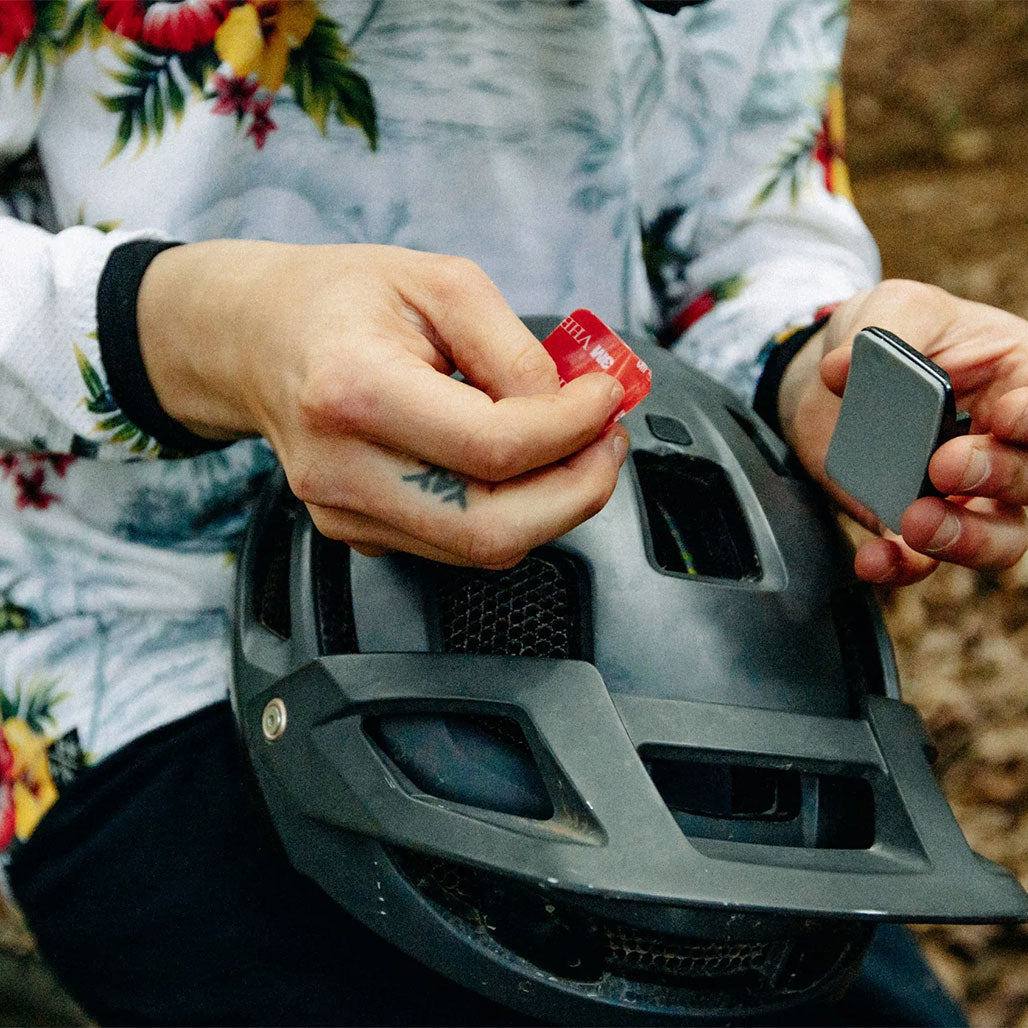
658, 771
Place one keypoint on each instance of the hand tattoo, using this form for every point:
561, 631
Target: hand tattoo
444, 484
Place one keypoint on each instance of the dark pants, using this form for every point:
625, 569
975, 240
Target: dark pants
159, 895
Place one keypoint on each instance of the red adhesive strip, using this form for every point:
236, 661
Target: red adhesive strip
582, 343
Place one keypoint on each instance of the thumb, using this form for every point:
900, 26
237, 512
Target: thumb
835, 368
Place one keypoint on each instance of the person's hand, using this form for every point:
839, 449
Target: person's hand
341, 357
984, 475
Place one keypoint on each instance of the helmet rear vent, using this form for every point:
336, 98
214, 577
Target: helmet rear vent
540, 608
333, 602
712, 797
853, 612
271, 573
759, 440
696, 523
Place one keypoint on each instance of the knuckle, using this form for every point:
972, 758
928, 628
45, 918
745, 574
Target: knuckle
598, 496
328, 522
498, 454
457, 276
489, 543
907, 293
306, 482
534, 363
336, 404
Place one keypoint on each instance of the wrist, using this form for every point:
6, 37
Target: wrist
801, 375
190, 325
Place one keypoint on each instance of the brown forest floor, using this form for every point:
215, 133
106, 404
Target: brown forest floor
937, 103
938, 119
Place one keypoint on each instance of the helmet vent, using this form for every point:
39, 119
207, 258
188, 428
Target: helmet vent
479, 760
696, 523
271, 574
333, 602
583, 945
759, 440
537, 609
853, 613
773, 806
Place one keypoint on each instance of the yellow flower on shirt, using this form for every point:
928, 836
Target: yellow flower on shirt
258, 36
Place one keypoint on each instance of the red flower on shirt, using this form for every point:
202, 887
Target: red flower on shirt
6, 792
60, 462
261, 124
17, 19
234, 95
31, 492
176, 25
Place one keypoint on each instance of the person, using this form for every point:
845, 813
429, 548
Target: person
366, 194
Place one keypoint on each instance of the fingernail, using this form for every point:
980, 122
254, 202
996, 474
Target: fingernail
976, 472
945, 535
617, 392
620, 447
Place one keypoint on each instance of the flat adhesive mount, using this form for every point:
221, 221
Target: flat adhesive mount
897, 410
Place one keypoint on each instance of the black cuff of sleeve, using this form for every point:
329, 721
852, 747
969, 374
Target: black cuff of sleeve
118, 336
765, 399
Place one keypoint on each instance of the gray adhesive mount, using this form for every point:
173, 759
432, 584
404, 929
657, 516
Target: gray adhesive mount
897, 410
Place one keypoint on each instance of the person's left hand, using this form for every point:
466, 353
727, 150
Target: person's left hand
984, 476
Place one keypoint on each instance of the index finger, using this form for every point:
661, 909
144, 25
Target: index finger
454, 425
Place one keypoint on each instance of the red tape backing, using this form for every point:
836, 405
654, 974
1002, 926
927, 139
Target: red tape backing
582, 343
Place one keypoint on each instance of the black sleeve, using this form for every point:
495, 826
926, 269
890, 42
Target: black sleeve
118, 336
765, 399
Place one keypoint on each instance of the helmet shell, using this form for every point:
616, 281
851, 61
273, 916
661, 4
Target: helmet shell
657, 772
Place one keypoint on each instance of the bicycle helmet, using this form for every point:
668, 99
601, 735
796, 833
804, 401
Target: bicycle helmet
657, 772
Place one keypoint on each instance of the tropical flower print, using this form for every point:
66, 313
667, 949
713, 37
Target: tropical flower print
30, 38
824, 144
241, 56
257, 37
724, 289
17, 18
664, 260
29, 474
30, 759
178, 26
830, 145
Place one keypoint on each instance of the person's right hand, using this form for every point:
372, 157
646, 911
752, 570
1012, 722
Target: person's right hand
341, 357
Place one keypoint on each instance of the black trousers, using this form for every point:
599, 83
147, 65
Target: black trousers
159, 895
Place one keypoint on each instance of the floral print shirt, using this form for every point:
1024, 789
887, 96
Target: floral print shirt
680, 175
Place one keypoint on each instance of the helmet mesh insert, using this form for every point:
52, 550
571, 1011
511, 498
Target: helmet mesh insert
536, 609
585, 946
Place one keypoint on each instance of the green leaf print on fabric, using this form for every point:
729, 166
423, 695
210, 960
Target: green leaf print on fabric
30, 39
13, 618
238, 55
323, 84
33, 702
150, 90
101, 401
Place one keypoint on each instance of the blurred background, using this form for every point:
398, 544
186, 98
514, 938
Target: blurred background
937, 113
937, 104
